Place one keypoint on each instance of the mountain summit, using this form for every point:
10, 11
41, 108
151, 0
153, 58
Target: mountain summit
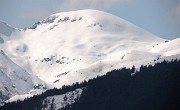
93, 21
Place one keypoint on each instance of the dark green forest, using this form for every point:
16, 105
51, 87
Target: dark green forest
151, 88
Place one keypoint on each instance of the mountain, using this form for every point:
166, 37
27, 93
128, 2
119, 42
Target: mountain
74, 46
5, 30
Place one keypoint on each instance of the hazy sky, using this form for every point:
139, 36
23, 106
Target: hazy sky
160, 17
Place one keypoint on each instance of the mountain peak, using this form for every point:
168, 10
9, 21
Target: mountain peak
94, 21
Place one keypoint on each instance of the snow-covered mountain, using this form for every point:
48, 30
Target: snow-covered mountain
78, 45
14, 80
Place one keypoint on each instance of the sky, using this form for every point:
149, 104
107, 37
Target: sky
160, 17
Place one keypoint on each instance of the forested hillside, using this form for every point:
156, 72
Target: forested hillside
151, 88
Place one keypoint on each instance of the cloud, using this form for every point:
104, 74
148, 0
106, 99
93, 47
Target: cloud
68, 5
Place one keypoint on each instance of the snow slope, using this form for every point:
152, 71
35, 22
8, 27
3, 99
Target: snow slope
75, 46
14, 80
60, 101
169, 48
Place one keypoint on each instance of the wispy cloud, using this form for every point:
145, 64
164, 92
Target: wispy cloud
67, 5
